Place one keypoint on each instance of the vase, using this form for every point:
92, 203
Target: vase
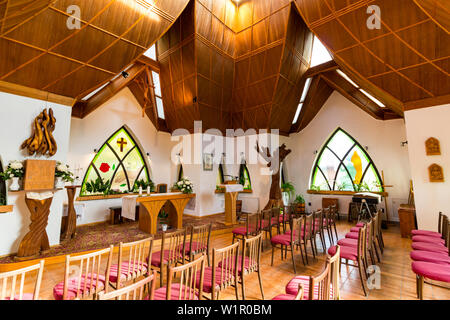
15, 186
59, 183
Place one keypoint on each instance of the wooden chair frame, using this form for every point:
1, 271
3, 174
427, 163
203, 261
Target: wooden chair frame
138, 252
228, 269
252, 225
322, 281
251, 249
334, 214
361, 258
21, 274
308, 230
318, 227
93, 259
175, 243
202, 235
188, 279
136, 290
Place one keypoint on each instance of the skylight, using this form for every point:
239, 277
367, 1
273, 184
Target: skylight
94, 92
302, 99
158, 95
151, 53
320, 54
346, 77
368, 95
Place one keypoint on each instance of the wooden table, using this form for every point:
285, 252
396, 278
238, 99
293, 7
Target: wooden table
148, 219
71, 224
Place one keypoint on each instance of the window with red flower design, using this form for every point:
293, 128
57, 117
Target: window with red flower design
116, 167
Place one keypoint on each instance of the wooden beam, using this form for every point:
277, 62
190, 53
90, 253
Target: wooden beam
154, 65
35, 93
107, 92
428, 102
321, 68
353, 94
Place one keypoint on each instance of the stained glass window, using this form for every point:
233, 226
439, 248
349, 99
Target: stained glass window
180, 172
220, 176
119, 164
2, 188
244, 177
343, 165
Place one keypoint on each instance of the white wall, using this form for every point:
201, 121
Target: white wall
430, 198
91, 132
17, 114
382, 137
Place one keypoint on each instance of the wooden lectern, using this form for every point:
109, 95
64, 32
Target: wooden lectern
231, 193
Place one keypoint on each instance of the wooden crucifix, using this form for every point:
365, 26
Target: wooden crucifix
275, 198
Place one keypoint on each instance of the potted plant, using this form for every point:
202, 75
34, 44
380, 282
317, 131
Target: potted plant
62, 174
184, 185
14, 171
299, 202
288, 191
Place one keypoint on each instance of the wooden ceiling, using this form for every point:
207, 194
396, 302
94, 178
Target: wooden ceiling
405, 63
39, 51
230, 65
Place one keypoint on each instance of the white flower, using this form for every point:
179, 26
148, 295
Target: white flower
16, 165
62, 168
180, 183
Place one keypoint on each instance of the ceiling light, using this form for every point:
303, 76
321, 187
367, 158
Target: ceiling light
320, 54
378, 102
346, 77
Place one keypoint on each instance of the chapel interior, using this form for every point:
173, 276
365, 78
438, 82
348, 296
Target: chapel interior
224, 150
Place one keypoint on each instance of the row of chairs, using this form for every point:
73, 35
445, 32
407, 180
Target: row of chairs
324, 286
431, 254
363, 240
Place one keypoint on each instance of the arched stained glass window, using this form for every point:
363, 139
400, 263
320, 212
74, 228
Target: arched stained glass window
118, 164
220, 176
180, 172
244, 176
343, 165
3, 193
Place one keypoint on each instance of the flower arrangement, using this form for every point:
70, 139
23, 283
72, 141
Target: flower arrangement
62, 171
15, 169
184, 185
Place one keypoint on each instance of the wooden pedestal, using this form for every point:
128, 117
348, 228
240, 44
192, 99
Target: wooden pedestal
35, 241
230, 207
407, 216
71, 225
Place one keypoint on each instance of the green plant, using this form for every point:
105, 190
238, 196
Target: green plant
289, 188
15, 169
362, 186
63, 171
299, 199
343, 186
163, 215
144, 184
2, 200
315, 188
99, 186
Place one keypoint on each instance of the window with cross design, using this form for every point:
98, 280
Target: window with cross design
118, 166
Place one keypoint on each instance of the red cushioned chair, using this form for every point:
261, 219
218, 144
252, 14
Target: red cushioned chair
285, 296
432, 247
199, 242
289, 240
429, 270
191, 277
428, 233
141, 290
329, 278
8, 283
90, 279
269, 219
132, 265
172, 245
427, 256
224, 271
357, 255
251, 228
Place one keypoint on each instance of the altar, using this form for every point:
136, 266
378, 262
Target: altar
148, 218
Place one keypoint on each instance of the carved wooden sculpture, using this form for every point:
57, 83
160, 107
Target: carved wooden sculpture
275, 199
42, 141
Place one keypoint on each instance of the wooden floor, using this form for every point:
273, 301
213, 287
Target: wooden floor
397, 279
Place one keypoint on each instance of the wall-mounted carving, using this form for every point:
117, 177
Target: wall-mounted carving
436, 173
42, 141
433, 147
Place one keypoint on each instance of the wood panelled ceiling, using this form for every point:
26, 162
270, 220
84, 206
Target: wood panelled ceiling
234, 66
404, 63
39, 51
